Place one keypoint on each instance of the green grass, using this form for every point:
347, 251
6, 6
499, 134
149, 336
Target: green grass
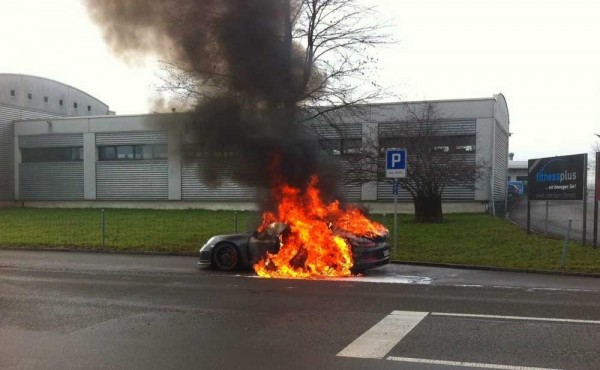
476, 239
472, 239
172, 231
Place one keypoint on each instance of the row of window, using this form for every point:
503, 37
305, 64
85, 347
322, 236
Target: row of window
458, 144
105, 153
61, 102
444, 144
62, 154
439, 144
132, 152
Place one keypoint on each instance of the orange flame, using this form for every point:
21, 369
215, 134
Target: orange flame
314, 246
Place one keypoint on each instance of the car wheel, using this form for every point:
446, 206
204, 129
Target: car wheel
226, 257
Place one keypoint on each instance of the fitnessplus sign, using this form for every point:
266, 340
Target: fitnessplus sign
557, 178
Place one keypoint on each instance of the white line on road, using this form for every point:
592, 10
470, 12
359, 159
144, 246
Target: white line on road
525, 318
463, 364
381, 338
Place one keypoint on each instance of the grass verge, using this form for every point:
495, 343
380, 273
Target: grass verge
168, 231
483, 240
471, 239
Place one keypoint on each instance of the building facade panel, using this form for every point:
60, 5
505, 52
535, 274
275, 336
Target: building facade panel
8, 114
135, 138
446, 128
335, 131
352, 192
51, 181
132, 180
194, 188
450, 194
50, 141
500, 164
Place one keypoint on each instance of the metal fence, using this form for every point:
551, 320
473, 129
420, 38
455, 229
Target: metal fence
177, 231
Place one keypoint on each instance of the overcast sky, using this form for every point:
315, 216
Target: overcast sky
544, 56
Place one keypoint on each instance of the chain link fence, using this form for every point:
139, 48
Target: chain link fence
169, 231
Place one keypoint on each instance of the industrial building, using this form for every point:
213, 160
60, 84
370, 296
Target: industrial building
25, 97
102, 160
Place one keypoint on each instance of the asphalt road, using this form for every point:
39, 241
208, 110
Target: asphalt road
98, 311
559, 213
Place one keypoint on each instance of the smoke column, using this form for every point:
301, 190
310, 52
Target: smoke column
240, 55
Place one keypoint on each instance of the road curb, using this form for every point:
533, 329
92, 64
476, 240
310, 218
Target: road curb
499, 269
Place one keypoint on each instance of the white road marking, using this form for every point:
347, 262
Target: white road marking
464, 364
381, 338
524, 318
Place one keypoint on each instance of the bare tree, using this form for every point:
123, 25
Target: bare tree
327, 61
437, 160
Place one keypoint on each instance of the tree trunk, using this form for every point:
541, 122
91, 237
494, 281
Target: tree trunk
428, 208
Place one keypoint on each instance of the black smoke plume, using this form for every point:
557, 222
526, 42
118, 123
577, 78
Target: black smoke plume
245, 68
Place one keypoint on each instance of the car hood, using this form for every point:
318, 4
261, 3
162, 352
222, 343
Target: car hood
228, 237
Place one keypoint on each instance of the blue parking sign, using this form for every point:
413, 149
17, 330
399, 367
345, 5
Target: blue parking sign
395, 163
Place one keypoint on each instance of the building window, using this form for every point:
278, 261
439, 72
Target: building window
459, 144
107, 153
197, 151
132, 152
13, 93
89, 108
75, 105
331, 146
60, 154
29, 96
45, 99
441, 149
341, 146
60, 102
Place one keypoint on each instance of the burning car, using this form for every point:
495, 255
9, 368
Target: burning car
304, 237
230, 252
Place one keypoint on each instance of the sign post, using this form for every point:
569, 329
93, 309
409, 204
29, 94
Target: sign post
395, 168
596, 199
585, 199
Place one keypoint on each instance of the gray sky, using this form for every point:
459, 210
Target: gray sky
544, 56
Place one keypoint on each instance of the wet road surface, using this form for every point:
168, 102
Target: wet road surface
101, 311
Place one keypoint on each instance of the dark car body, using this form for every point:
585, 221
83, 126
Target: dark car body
513, 191
244, 250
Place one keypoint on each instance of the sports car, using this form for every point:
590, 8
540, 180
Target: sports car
236, 251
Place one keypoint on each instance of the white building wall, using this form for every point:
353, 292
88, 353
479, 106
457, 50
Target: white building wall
8, 114
90, 155
487, 114
21, 106
484, 157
